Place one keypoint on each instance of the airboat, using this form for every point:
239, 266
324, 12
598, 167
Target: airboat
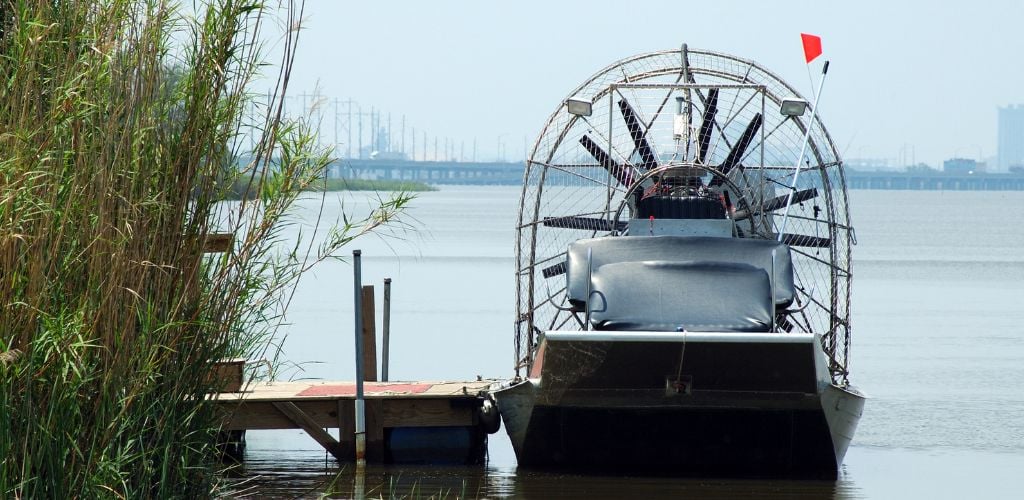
683, 278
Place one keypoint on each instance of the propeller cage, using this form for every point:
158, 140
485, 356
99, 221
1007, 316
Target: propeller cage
685, 135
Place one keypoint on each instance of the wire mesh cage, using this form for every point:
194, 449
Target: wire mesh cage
716, 120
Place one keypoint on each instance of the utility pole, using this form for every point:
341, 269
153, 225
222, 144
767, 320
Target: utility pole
403, 134
360, 114
413, 156
349, 129
390, 137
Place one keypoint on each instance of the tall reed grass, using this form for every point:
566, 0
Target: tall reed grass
118, 126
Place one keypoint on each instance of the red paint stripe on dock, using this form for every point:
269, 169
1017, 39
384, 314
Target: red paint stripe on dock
369, 388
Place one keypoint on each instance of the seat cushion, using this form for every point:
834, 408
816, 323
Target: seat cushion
675, 296
615, 249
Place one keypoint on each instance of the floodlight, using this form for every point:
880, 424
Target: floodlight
793, 106
579, 107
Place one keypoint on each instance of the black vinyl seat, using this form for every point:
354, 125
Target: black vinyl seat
675, 207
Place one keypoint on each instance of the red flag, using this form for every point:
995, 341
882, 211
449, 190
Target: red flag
812, 46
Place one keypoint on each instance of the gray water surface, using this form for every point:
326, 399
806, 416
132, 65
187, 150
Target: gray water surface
938, 345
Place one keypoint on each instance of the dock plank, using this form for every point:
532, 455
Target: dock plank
314, 406
425, 413
263, 415
328, 404
375, 429
276, 391
347, 427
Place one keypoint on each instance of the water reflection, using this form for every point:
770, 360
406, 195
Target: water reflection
316, 478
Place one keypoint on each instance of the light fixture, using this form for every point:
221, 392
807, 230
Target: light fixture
679, 121
793, 106
579, 107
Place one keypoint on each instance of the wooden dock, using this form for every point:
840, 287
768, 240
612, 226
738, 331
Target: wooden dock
406, 422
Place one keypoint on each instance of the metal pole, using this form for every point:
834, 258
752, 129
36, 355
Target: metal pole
803, 149
336, 148
590, 275
373, 129
771, 282
360, 404
684, 54
387, 329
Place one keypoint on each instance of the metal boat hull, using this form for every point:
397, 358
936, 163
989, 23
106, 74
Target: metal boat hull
681, 403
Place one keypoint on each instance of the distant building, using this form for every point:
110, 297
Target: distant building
962, 166
1011, 137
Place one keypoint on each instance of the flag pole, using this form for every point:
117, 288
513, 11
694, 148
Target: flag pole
803, 150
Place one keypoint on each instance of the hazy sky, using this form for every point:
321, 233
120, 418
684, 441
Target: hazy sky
914, 79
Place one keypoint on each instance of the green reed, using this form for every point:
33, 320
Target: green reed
119, 129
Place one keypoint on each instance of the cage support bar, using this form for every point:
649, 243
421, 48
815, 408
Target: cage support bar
803, 151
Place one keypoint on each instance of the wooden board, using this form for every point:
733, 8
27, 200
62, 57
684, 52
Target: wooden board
304, 422
218, 242
290, 390
369, 335
227, 374
439, 404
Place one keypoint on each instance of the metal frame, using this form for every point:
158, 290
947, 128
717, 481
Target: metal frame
560, 180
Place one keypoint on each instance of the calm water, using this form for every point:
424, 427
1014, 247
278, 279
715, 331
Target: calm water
938, 346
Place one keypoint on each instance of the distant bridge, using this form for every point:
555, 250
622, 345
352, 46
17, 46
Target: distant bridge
935, 181
511, 173
431, 172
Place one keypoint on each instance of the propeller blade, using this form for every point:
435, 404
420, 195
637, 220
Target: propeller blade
801, 240
798, 197
555, 270
587, 223
776, 203
739, 149
708, 124
649, 160
621, 174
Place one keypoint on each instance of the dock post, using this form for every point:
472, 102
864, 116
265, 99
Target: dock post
369, 333
385, 346
360, 408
